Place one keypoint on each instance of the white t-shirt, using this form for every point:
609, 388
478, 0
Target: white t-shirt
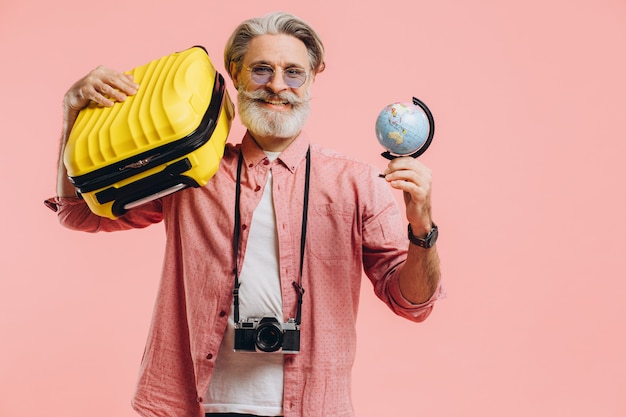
252, 383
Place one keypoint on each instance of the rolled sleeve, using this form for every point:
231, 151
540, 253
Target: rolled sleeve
73, 213
404, 307
56, 203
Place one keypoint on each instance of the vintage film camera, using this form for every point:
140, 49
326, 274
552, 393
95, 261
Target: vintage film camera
267, 334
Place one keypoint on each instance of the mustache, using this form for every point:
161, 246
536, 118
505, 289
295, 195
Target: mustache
265, 95
269, 122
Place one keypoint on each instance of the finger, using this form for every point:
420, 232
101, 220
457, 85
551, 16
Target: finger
131, 78
79, 97
411, 187
115, 85
96, 93
409, 170
397, 165
416, 183
109, 92
126, 84
418, 177
404, 162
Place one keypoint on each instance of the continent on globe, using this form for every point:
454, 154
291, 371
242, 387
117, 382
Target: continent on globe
397, 136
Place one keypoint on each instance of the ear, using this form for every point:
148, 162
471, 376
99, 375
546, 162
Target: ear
321, 68
234, 74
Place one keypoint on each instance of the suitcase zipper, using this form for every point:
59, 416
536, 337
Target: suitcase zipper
141, 163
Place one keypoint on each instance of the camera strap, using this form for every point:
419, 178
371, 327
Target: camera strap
236, 237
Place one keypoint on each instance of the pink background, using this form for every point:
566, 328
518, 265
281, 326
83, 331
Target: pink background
529, 101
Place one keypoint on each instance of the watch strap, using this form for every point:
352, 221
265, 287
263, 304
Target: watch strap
428, 241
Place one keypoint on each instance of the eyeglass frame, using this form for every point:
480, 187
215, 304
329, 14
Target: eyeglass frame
273, 73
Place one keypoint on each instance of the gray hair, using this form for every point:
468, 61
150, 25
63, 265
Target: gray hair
273, 24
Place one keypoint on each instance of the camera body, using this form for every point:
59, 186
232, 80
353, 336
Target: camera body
267, 334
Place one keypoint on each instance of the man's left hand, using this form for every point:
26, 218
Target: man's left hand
415, 180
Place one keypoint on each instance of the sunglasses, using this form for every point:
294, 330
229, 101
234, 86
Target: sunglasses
263, 74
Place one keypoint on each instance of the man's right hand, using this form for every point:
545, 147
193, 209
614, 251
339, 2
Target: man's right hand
103, 86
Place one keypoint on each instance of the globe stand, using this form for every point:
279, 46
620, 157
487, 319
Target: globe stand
429, 139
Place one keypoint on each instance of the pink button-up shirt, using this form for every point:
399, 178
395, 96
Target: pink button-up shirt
354, 225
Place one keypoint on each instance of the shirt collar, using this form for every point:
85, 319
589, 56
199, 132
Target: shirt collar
290, 157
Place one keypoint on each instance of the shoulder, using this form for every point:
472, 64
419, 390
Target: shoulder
332, 160
342, 177
231, 151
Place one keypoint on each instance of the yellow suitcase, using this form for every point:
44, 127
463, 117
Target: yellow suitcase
169, 136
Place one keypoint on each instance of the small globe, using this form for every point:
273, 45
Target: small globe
404, 128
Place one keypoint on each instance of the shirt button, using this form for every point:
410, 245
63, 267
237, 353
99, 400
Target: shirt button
199, 399
222, 313
209, 356
244, 227
258, 187
250, 166
266, 162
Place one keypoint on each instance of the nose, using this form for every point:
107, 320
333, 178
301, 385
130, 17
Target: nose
277, 83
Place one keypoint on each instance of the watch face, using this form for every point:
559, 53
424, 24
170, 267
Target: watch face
432, 236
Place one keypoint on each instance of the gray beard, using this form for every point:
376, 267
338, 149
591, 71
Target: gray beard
263, 122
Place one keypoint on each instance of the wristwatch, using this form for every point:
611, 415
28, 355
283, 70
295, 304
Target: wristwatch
428, 241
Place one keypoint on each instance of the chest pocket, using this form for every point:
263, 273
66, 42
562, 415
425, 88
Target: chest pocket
332, 230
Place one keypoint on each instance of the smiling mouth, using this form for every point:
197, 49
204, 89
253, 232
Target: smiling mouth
276, 102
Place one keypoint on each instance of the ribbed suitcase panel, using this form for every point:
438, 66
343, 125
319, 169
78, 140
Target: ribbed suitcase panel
174, 94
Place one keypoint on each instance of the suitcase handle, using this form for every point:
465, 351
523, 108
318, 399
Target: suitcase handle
149, 188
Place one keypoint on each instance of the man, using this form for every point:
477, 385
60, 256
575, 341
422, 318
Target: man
190, 366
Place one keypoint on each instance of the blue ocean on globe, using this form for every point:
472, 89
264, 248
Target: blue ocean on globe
402, 128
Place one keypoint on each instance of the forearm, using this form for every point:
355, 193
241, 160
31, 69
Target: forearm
420, 274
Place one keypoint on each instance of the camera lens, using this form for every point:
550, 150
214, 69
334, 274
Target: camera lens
269, 337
